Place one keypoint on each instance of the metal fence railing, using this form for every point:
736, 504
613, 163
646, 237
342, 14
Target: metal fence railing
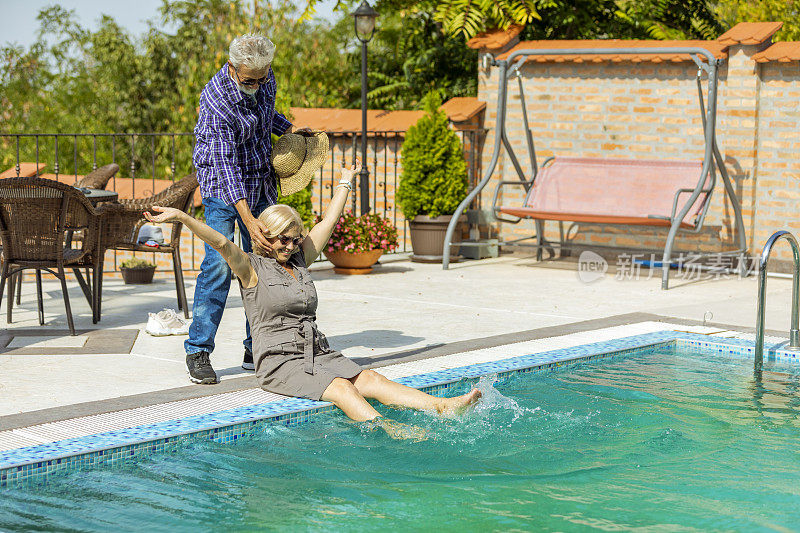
151, 161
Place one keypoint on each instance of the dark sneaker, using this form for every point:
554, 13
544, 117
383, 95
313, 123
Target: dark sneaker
247, 363
199, 368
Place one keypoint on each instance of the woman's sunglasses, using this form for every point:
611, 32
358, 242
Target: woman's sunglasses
285, 240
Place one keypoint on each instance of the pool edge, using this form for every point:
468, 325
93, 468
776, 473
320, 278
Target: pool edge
75, 454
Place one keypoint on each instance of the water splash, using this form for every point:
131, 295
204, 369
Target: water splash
493, 401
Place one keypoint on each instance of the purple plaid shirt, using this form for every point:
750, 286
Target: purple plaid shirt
233, 148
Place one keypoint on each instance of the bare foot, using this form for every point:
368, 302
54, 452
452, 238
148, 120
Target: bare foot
398, 430
459, 404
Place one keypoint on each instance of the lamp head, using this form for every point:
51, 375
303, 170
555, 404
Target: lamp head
365, 21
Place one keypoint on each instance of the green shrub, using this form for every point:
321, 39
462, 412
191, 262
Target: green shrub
434, 179
136, 263
301, 201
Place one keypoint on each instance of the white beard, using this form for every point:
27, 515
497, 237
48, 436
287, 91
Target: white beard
245, 90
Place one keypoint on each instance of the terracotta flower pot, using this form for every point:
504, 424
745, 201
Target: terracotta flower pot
353, 262
138, 275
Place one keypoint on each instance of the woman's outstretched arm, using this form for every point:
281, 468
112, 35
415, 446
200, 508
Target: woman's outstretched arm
318, 237
233, 255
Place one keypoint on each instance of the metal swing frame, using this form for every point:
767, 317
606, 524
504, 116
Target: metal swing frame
712, 158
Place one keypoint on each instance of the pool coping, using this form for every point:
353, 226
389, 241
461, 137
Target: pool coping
34, 464
110, 405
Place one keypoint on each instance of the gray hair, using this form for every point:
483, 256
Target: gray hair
251, 50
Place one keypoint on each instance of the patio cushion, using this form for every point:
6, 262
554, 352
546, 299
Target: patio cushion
611, 191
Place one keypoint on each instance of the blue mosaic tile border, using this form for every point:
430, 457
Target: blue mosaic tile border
33, 464
735, 347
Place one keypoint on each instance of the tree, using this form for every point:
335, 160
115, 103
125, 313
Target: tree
457, 17
564, 19
670, 19
731, 12
411, 56
72, 80
419, 45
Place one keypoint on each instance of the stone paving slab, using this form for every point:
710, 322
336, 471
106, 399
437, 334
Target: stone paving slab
21, 341
401, 307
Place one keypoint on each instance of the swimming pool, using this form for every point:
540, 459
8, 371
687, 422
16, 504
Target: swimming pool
672, 437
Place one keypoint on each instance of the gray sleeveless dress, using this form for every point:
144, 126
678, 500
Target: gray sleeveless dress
291, 356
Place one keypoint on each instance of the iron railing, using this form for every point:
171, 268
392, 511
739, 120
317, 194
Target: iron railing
147, 158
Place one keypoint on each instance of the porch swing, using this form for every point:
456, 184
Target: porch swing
666, 193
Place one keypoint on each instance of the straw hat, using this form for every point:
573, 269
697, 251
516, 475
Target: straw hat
297, 157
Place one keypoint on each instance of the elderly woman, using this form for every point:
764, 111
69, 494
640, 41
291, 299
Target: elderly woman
291, 356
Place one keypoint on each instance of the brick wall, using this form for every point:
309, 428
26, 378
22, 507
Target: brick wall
777, 173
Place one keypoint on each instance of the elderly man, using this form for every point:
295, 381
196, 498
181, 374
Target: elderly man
232, 158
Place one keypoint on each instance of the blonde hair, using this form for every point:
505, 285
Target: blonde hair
278, 218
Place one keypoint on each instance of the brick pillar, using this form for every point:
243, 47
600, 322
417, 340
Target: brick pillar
737, 135
777, 191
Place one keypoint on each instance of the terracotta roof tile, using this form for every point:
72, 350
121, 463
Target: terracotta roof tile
349, 120
716, 48
26, 170
127, 188
378, 121
782, 52
749, 33
495, 39
460, 109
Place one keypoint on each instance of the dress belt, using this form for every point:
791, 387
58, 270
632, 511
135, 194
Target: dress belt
308, 346
307, 327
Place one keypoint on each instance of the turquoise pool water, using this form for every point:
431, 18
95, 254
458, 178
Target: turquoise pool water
665, 441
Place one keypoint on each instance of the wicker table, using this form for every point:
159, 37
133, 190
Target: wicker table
95, 196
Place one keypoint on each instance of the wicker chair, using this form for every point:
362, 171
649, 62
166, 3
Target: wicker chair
121, 229
35, 215
98, 178
15, 281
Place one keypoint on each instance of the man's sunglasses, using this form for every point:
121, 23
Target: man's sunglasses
248, 82
285, 240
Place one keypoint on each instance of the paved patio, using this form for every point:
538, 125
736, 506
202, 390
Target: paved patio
403, 310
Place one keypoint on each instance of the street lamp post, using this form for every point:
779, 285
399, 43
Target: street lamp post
365, 27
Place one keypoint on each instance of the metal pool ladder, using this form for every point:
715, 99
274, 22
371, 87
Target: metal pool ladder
794, 332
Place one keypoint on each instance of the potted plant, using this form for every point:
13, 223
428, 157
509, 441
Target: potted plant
434, 180
135, 271
358, 242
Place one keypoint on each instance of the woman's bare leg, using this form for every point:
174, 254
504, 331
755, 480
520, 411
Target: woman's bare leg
370, 384
344, 395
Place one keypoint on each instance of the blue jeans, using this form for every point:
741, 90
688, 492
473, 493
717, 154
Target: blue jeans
214, 280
